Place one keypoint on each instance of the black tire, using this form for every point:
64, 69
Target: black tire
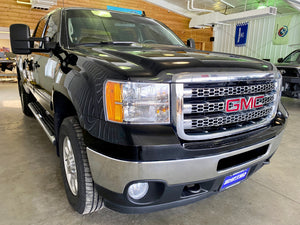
25, 100
85, 199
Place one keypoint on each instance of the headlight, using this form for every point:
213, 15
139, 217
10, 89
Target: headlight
277, 95
132, 102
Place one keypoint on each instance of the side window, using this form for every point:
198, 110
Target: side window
52, 27
39, 31
40, 28
47, 27
295, 57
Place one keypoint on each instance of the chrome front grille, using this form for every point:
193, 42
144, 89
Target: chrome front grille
227, 91
239, 103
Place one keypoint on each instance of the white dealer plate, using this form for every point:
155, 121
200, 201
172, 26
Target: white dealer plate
234, 179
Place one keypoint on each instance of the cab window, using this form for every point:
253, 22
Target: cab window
293, 58
52, 27
39, 32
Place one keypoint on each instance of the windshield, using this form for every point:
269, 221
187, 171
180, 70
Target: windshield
99, 26
294, 57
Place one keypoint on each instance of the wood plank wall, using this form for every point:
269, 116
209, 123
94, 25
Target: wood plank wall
12, 12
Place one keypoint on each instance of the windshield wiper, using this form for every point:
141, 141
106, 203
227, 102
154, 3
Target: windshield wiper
108, 43
117, 42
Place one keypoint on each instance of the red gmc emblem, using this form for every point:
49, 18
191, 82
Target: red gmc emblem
241, 104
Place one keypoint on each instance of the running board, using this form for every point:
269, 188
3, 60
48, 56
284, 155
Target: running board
46, 121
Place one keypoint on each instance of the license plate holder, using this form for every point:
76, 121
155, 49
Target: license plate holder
234, 179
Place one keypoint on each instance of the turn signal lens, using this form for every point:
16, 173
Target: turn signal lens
137, 103
114, 101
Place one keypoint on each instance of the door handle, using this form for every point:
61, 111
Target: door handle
36, 65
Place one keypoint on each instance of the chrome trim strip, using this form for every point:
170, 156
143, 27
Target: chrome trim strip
43, 94
212, 77
114, 174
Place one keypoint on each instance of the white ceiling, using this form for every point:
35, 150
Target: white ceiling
180, 6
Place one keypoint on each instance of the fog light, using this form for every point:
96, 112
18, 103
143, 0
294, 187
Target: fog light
138, 190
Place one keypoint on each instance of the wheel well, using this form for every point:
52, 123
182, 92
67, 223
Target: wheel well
63, 108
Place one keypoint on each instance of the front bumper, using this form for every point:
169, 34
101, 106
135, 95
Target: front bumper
168, 197
113, 176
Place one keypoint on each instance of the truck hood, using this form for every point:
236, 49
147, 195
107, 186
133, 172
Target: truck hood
150, 60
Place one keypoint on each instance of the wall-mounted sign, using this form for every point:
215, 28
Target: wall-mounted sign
114, 8
282, 30
241, 34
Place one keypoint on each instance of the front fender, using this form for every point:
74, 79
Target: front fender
83, 86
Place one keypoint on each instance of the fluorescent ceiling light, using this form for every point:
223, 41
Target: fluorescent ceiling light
216, 17
261, 6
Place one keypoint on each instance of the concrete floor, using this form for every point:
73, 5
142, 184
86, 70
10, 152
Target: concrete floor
31, 190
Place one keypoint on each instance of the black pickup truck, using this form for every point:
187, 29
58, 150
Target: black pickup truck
141, 121
290, 71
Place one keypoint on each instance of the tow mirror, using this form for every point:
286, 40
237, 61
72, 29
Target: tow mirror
280, 60
191, 43
20, 39
22, 43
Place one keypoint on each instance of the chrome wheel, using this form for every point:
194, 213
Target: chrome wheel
70, 166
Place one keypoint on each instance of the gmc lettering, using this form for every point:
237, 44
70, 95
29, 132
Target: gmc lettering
240, 104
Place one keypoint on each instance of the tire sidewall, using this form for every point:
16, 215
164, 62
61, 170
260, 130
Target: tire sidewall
25, 100
21, 92
67, 129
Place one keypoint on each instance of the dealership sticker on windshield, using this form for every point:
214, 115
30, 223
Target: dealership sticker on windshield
234, 179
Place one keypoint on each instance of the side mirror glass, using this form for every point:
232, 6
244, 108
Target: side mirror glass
280, 60
191, 43
20, 39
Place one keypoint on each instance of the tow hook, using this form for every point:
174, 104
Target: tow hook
194, 189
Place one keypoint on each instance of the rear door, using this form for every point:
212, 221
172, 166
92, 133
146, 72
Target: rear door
45, 65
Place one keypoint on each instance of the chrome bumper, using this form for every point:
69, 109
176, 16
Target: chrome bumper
114, 174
